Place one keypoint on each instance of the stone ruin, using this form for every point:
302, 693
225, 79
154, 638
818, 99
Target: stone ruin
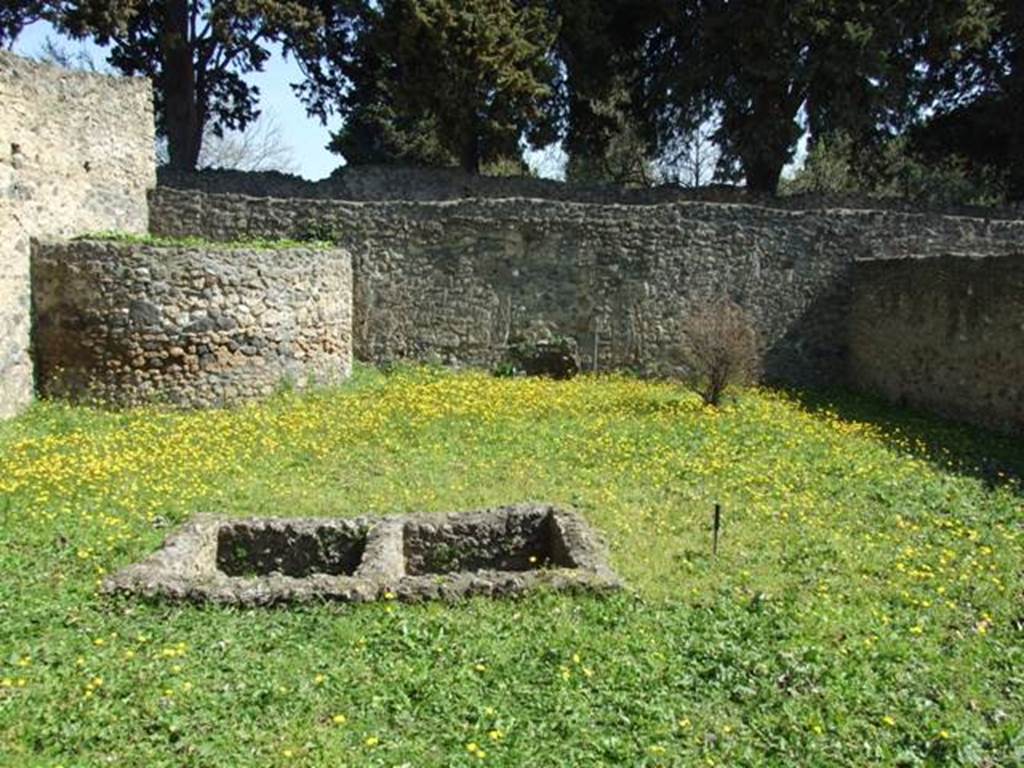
128, 323
922, 307
267, 561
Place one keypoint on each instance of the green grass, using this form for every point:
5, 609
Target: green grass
865, 607
253, 244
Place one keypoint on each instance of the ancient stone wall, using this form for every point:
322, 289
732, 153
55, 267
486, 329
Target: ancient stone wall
408, 183
455, 281
129, 323
76, 155
944, 333
374, 183
453, 268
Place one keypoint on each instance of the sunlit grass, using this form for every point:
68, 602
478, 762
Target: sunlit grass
867, 589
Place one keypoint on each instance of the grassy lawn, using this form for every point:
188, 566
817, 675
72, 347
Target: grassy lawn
866, 606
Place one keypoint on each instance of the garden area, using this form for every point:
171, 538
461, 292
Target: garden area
865, 605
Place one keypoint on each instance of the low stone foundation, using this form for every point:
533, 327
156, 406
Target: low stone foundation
266, 561
122, 323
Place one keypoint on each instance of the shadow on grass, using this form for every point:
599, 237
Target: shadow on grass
995, 458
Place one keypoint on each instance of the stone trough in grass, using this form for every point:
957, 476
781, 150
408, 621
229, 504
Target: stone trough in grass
266, 561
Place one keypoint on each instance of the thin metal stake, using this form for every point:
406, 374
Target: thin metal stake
717, 528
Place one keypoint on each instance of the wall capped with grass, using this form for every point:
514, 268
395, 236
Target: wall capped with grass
129, 321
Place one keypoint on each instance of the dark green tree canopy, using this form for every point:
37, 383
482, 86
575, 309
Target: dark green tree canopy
772, 68
441, 82
600, 47
622, 83
980, 105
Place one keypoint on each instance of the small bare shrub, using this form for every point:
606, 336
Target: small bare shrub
720, 348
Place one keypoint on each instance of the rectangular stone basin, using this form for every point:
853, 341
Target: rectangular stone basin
261, 549
267, 561
501, 540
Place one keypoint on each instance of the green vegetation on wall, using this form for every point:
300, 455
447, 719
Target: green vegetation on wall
253, 244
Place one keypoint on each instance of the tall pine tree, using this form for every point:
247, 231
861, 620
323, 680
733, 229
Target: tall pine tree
441, 82
601, 48
844, 65
979, 114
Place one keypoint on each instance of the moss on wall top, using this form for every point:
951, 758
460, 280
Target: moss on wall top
256, 243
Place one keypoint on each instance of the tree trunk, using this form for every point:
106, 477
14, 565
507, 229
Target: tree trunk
1014, 117
1015, 127
468, 132
763, 171
178, 85
766, 135
469, 156
763, 131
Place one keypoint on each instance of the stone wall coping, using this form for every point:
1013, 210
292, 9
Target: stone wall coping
490, 204
28, 66
98, 245
959, 255
412, 182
